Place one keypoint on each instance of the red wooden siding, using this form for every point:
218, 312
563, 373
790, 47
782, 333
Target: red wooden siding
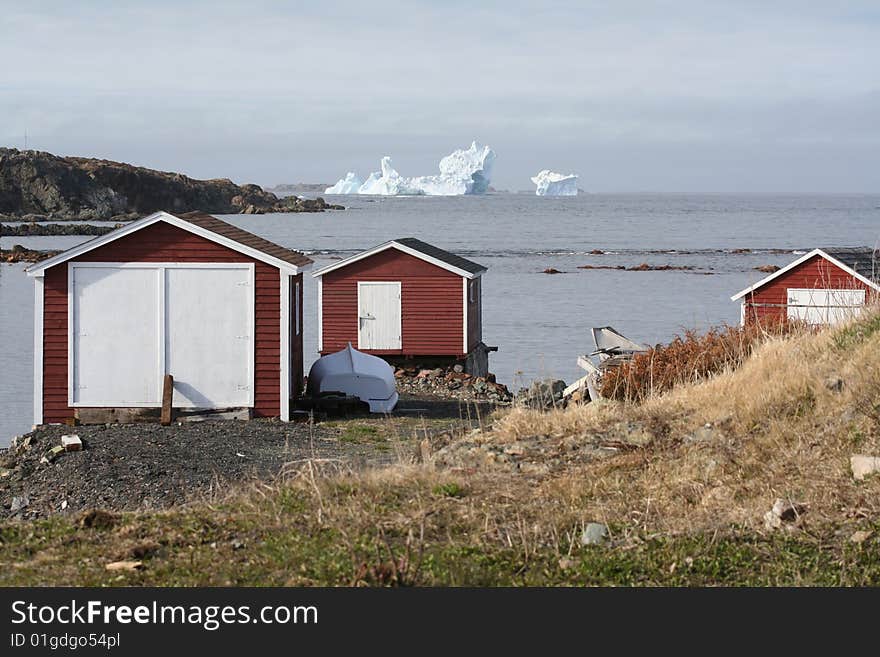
432, 308
769, 302
162, 242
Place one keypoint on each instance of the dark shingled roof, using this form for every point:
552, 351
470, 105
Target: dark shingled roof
439, 254
864, 260
220, 227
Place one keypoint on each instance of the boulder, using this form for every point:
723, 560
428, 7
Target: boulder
864, 465
782, 513
595, 533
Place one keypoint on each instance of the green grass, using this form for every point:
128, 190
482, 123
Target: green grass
451, 489
279, 543
857, 332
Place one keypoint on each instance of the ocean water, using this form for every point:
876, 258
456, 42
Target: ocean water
540, 322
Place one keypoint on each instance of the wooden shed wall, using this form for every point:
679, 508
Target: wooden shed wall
769, 302
432, 305
162, 242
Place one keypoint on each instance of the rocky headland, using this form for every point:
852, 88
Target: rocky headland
39, 186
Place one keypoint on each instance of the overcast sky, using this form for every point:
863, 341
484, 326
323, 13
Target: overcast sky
690, 95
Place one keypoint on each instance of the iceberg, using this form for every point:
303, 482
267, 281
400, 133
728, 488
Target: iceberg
464, 171
348, 185
550, 183
388, 183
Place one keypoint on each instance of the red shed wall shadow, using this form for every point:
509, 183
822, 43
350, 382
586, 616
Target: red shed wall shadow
162, 242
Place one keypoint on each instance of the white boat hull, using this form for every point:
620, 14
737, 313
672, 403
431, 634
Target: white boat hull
355, 374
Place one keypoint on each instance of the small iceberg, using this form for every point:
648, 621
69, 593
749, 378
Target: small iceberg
348, 185
464, 171
550, 183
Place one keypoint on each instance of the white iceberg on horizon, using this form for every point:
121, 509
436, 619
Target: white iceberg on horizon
550, 183
388, 183
348, 185
464, 171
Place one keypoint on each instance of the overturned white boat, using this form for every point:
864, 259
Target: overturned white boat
355, 374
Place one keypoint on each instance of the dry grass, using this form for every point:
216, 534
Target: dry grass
726, 448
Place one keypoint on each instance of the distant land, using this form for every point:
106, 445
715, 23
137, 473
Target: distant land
39, 186
300, 188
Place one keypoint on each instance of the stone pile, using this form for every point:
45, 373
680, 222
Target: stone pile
451, 383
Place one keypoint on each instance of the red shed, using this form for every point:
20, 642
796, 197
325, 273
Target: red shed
404, 299
189, 295
824, 286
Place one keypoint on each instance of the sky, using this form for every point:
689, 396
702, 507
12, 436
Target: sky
653, 96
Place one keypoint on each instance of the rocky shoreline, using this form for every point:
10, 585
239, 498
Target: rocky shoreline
37, 186
19, 253
451, 383
53, 230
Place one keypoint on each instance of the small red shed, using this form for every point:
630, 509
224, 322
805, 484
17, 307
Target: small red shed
404, 299
824, 286
189, 295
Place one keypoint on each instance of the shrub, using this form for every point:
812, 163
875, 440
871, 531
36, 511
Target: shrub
688, 358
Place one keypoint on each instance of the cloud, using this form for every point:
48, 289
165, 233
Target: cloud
273, 91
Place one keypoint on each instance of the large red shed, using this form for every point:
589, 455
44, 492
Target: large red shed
404, 299
189, 295
824, 286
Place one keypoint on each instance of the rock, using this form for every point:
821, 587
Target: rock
71, 443
52, 454
542, 394
237, 545
783, 512
595, 533
44, 185
767, 269
702, 435
863, 465
458, 368
124, 565
19, 503
551, 270
861, 536
834, 383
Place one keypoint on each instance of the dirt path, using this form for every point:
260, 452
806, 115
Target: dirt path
148, 466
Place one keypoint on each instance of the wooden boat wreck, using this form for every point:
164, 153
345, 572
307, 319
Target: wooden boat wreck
612, 349
352, 373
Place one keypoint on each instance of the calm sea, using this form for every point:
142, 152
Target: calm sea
540, 322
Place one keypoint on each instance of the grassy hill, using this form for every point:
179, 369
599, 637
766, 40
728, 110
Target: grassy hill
682, 481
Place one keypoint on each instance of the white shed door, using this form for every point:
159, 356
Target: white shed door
379, 315
208, 324
824, 306
115, 345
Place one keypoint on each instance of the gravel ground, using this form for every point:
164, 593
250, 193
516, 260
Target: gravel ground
148, 466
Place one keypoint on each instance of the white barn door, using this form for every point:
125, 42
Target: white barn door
114, 336
379, 315
209, 336
824, 306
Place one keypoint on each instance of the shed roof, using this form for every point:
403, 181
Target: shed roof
199, 223
862, 263
243, 237
419, 249
863, 260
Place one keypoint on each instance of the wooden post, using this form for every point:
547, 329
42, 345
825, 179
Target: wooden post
167, 395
